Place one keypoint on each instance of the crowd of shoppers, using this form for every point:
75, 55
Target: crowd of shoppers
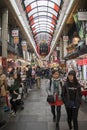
66, 92
11, 83
2, 94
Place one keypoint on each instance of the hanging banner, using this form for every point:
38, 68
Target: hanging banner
15, 32
16, 40
24, 45
78, 26
82, 16
65, 39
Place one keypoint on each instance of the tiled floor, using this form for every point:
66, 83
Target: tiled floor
37, 115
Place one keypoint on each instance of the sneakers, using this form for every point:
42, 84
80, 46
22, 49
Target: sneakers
2, 123
11, 111
13, 114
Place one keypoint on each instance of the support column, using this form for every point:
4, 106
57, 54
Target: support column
4, 32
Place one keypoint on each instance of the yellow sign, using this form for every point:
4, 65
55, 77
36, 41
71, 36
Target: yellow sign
16, 40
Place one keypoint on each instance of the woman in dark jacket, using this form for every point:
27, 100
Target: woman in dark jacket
71, 95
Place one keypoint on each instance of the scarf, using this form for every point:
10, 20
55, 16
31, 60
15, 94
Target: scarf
57, 86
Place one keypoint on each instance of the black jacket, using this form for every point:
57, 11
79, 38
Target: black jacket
71, 91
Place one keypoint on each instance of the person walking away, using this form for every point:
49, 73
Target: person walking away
33, 76
55, 89
29, 77
38, 77
71, 95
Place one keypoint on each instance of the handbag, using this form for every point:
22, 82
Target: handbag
50, 99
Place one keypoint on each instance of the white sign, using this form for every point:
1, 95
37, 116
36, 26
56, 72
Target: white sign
65, 38
82, 16
15, 32
24, 43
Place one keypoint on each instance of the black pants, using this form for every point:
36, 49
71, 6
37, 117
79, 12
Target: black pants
72, 115
13, 105
58, 109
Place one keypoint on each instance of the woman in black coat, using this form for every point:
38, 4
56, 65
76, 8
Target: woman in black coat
71, 95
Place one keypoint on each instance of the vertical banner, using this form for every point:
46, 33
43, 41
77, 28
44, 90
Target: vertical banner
79, 26
15, 35
65, 43
16, 40
24, 48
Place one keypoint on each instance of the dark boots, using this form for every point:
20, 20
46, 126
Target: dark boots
54, 118
57, 126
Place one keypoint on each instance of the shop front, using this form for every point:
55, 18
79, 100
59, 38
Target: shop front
79, 65
82, 66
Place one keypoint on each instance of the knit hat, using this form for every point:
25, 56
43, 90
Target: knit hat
72, 72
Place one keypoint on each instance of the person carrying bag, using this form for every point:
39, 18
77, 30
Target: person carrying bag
54, 91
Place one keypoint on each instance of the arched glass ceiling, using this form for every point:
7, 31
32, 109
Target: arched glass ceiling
43, 35
42, 16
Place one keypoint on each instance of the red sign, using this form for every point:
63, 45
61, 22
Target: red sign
4, 62
56, 61
82, 62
